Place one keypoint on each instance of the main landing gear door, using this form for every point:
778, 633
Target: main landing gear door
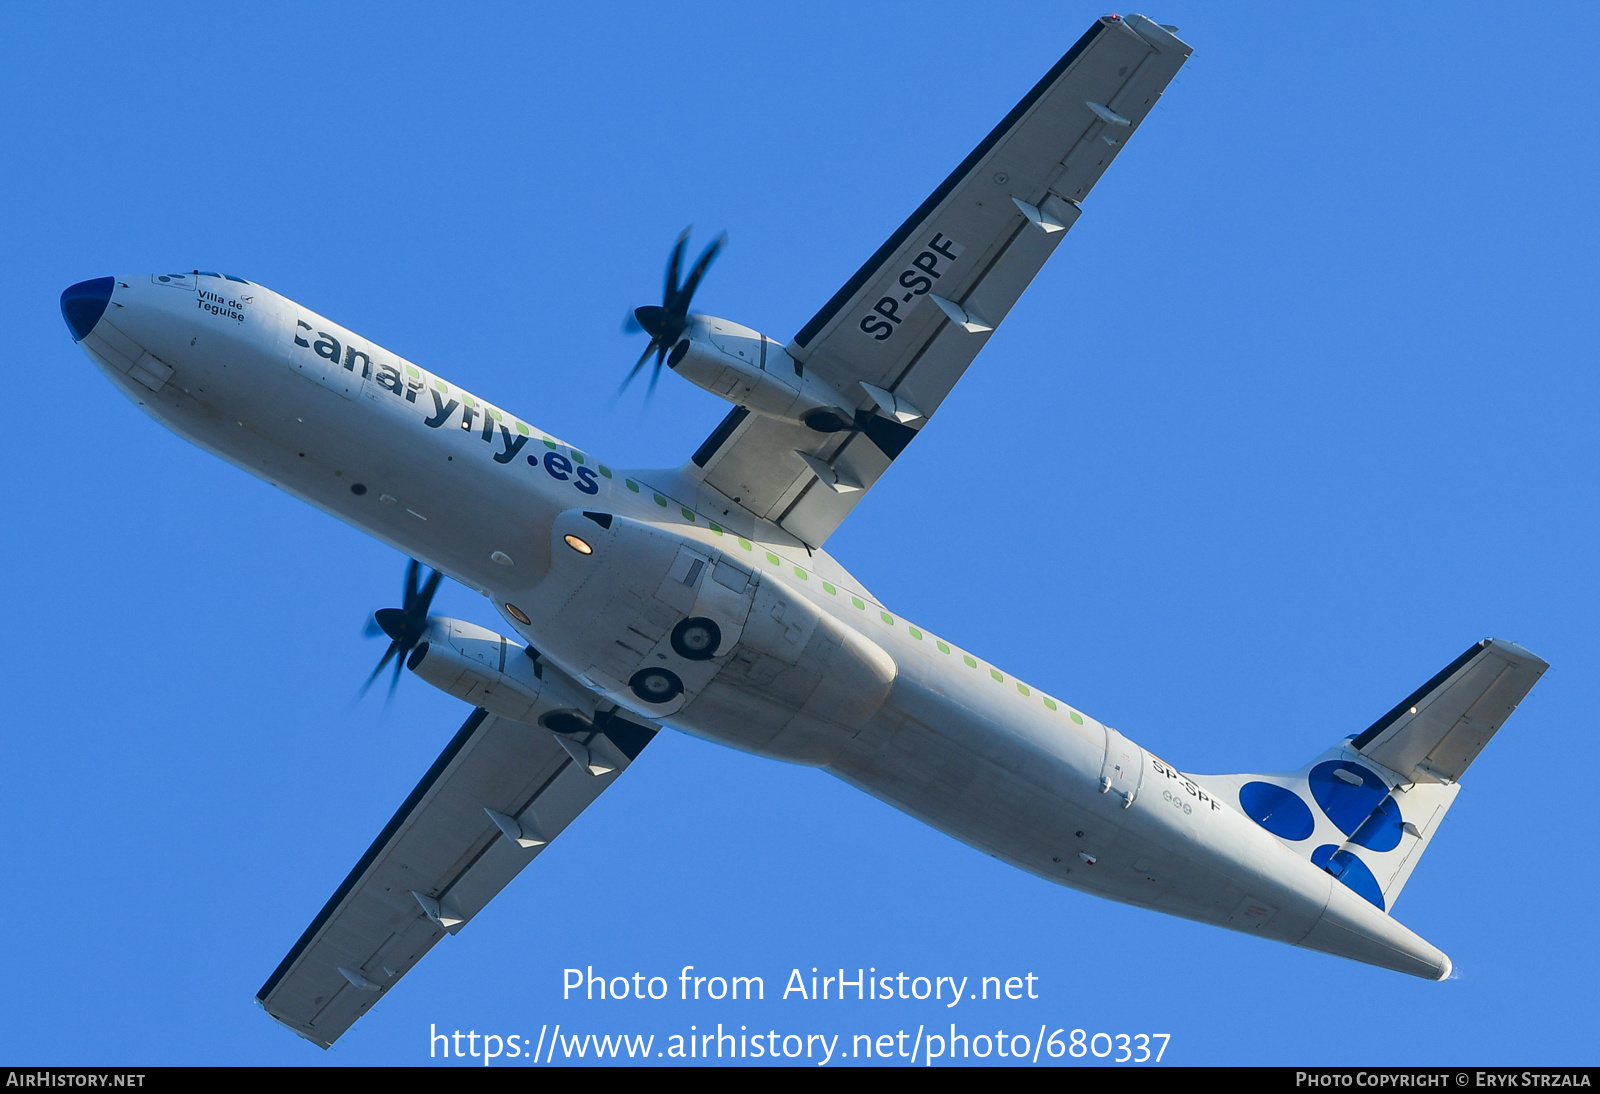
725, 597
651, 617
1122, 770
711, 596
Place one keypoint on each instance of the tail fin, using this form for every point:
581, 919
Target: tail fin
1366, 809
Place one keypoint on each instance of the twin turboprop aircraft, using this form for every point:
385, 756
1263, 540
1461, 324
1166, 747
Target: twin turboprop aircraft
702, 597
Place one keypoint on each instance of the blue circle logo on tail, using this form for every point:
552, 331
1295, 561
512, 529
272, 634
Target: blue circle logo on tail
1350, 870
1346, 792
1277, 809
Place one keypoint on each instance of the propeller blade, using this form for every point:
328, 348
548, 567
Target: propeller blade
671, 291
637, 365
406, 625
667, 321
699, 270
388, 653
373, 627
412, 572
427, 593
631, 324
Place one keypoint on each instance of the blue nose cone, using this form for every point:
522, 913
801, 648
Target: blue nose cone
83, 304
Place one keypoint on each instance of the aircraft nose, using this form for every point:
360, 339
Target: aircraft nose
83, 304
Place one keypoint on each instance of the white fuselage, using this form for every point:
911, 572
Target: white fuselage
811, 668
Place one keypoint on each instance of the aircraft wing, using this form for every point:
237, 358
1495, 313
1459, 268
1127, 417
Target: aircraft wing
441, 859
907, 325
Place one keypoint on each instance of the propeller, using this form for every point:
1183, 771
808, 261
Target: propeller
403, 625
666, 322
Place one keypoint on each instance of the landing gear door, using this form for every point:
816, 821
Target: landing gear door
712, 596
1122, 771
652, 618
725, 596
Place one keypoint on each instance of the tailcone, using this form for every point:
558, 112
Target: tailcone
1350, 927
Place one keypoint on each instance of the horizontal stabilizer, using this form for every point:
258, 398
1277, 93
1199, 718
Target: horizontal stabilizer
1366, 809
1433, 734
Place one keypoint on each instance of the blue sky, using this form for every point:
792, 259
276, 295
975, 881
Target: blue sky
1304, 406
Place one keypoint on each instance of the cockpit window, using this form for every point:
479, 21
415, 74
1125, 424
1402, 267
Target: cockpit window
240, 280
207, 273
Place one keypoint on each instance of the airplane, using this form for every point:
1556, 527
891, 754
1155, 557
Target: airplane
702, 597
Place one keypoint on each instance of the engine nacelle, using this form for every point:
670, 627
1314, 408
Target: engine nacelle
750, 370
491, 671
480, 666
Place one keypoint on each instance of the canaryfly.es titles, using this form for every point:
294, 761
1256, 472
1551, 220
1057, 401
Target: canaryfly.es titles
841, 985
474, 418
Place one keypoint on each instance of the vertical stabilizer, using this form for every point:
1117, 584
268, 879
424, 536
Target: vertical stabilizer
1366, 809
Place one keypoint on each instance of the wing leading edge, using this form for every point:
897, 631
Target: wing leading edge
900, 333
495, 797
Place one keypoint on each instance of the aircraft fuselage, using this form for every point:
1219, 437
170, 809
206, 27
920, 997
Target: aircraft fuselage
806, 665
